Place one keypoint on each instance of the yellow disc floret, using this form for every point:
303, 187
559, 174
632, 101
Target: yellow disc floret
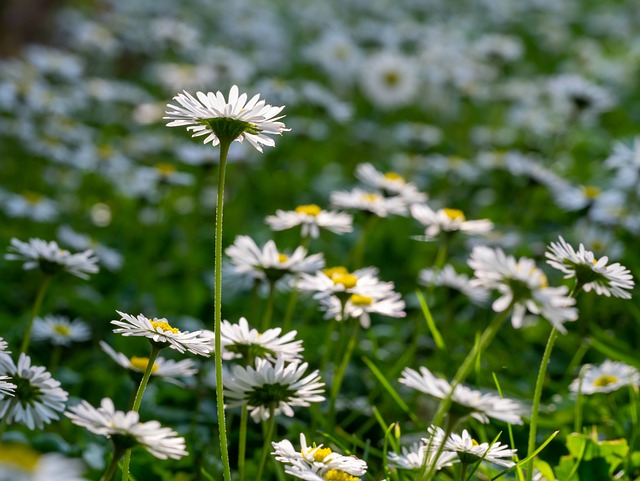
165, 169
370, 197
165, 326
321, 453
591, 191
347, 280
336, 475
309, 209
141, 363
333, 271
454, 214
359, 300
394, 176
282, 258
605, 380
32, 197
62, 329
22, 457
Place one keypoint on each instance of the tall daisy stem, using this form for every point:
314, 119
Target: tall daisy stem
266, 448
242, 443
222, 429
537, 394
339, 374
268, 313
35, 311
113, 465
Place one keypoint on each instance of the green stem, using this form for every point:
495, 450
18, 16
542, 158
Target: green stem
242, 443
268, 313
125, 465
222, 430
113, 465
266, 448
358, 250
463, 471
537, 394
291, 307
54, 360
36, 309
3, 422
339, 374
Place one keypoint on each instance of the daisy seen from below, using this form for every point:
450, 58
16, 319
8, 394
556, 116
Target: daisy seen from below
469, 451
239, 341
162, 368
19, 462
366, 201
359, 306
311, 218
267, 263
590, 273
606, 377
38, 398
465, 401
448, 277
126, 431
6, 387
214, 117
390, 182
59, 330
162, 334
417, 456
448, 220
271, 389
522, 286
317, 463
51, 259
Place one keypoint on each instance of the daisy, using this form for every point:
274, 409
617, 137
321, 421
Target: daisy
311, 217
466, 401
590, 273
574, 95
469, 450
162, 368
159, 331
211, 115
368, 201
521, 285
625, 160
358, 306
51, 259
126, 429
30, 205
448, 277
268, 263
317, 463
38, 397
448, 220
59, 330
273, 388
240, 342
338, 280
607, 377
415, 457
390, 182
6, 388
110, 258
390, 80
19, 462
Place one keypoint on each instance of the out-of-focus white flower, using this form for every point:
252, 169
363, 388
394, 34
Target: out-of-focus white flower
368, 201
448, 277
390, 182
448, 220
59, 330
19, 462
573, 95
338, 280
390, 80
312, 218
110, 258
360, 307
607, 377
413, 457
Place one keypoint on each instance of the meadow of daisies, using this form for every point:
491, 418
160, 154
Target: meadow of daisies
343, 240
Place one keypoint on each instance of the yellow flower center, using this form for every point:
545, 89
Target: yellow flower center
309, 209
335, 475
321, 453
544, 282
347, 280
474, 442
605, 380
32, 197
394, 176
282, 258
370, 197
165, 169
165, 326
333, 271
591, 191
21, 457
454, 214
141, 363
62, 329
391, 78
359, 300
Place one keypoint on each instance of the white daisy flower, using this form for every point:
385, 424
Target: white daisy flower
358, 306
163, 368
110, 258
127, 429
338, 280
367, 201
211, 115
314, 463
30, 205
268, 263
574, 95
19, 462
59, 330
161, 332
625, 160
390, 79
39, 396
590, 273
607, 377
417, 456
478, 405
390, 182
448, 220
273, 387
240, 342
448, 277
311, 218
51, 259
6, 388
522, 285
469, 450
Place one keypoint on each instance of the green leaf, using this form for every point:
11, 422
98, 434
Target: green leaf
430, 323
